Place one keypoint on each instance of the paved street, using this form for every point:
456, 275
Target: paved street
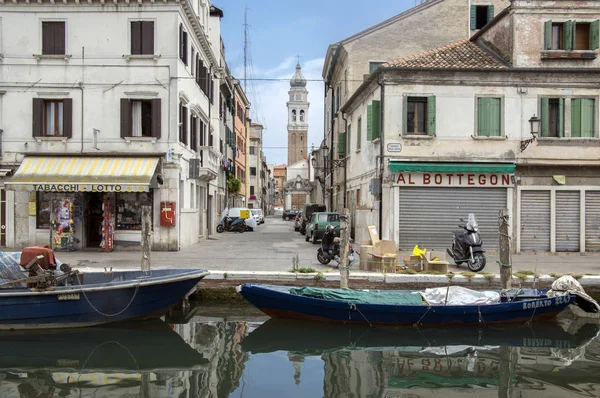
272, 246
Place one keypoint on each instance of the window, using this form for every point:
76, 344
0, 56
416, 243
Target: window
142, 37
140, 118
129, 209
192, 58
358, 197
253, 171
552, 111
251, 189
481, 15
293, 115
302, 116
337, 99
183, 44
349, 139
52, 117
582, 117
341, 145
489, 117
252, 150
53, 38
373, 66
183, 128
359, 134
571, 35
419, 116
193, 133
373, 120
327, 217
346, 81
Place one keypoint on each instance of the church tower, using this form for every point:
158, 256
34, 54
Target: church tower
297, 118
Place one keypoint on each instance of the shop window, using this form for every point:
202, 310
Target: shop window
489, 117
52, 117
140, 118
43, 210
129, 209
142, 37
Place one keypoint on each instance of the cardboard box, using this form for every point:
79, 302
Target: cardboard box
413, 262
365, 250
441, 265
384, 246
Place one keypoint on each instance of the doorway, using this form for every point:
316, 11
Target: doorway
94, 220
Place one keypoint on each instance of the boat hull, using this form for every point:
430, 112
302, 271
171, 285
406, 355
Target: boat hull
101, 299
277, 302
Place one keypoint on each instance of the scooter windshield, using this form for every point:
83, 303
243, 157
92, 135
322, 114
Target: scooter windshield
471, 222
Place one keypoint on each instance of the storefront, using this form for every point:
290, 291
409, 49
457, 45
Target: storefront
431, 198
87, 202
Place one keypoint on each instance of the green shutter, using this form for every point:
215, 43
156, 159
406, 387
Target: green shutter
587, 117
370, 122
376, 119
568, 36
561, 117
495, 116
404, 115
431, 115
548, 35
473, 17
490, 15
483, 117
341, 145
595, 35
576, 117
544, 112
359, 134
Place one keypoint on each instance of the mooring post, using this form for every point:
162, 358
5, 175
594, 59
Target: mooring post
146, 234
344, 248
505, 257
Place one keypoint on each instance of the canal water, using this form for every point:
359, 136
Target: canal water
220, 351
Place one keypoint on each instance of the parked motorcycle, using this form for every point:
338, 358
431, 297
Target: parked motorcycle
228, 224
330, 248
466, 246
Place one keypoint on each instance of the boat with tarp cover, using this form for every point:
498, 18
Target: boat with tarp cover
437, 306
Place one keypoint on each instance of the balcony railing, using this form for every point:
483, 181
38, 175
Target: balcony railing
209, 163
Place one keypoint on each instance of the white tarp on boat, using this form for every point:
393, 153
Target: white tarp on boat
10, 270
457, 295
569, 285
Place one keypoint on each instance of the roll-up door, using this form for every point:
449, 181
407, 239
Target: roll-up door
428, 216
592, 221
567, 221
535, 220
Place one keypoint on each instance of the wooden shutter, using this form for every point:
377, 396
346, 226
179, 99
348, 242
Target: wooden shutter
495, 105
544, 116
587, 117
156, 118
341, 145
38, 118
47, 38
136, 37
473, 18
490, 11
483, 117
576, 117
181, 47
568, 35
59, 38
147, 36
370, 122
548, 35
68, 117
431, 115
185, 47
359, 134
561, 117
125, 117
376, 119
595, 35
53, 38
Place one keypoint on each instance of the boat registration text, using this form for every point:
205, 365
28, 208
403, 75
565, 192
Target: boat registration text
527, 305
68, 296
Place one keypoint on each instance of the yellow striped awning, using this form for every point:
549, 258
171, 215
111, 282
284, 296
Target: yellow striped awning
84, 174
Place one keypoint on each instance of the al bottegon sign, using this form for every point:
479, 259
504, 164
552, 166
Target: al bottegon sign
421, 179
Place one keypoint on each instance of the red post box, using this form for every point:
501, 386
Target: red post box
167, 214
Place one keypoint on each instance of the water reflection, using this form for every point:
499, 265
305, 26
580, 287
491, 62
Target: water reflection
237, 354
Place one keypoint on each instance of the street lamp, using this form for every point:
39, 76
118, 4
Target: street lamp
534, 126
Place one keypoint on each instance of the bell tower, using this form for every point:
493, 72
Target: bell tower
297, 118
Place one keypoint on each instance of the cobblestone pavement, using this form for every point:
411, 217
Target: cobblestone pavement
271, 247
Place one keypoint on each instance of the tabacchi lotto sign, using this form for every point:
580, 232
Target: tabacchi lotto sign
452, 179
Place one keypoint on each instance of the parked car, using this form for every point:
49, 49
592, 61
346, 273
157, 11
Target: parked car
258, 215
307, 212
289, 214
317, 224
298, 221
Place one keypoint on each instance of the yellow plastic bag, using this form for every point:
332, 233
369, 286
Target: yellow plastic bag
418, 252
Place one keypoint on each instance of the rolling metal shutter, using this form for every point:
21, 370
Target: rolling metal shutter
567, 221
535, 220
428, 216
592, 221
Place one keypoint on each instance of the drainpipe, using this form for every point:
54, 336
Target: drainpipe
331, 151
208, 217
82, 96
381, 164
348, 144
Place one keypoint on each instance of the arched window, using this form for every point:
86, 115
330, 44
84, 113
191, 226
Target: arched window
293, 115
301, 137
301, 116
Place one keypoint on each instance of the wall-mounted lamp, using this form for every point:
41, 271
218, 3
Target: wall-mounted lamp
534, 124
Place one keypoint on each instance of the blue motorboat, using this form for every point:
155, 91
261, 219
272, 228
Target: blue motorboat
66, 298
400, 307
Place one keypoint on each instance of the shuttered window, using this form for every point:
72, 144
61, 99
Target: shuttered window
183, 44
481, 15
582, 117
552, 111
359, 134
419, 116
52, 118
349, 139
53, 38
341, 145
140, 118
373, 120
489, 122
571, 35
193, 133
183, 124
142, 37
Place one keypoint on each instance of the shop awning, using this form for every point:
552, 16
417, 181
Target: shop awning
84, 174
399, 166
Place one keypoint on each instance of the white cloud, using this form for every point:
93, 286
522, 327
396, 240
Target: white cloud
268, 104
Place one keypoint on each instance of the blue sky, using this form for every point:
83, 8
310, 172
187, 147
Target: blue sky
278, 31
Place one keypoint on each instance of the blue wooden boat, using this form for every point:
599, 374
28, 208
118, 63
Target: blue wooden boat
282, 302
97, 298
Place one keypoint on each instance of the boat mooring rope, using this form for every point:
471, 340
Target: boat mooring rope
353, 307
480, 316
529, 322
137, 288
419, 321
